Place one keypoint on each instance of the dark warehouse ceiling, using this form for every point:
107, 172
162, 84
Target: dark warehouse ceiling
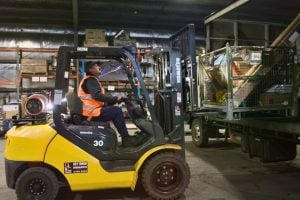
137, 14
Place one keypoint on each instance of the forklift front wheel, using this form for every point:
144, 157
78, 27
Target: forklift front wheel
37, 183
165, 176
200, 133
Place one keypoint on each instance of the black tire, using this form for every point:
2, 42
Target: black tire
200, 133
165, 176
37, 183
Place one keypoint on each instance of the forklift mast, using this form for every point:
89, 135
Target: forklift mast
168, 96
184, 40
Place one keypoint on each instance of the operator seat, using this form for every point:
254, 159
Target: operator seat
75, 108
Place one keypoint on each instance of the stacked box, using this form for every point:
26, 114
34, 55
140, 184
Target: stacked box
28, 83
33, 66
9, 111
95, 37
95, 34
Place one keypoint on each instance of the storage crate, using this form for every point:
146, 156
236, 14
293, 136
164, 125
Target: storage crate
242, 79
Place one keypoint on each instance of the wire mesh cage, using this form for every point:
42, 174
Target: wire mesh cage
243, 78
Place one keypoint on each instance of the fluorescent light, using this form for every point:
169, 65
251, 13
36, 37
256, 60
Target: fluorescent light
225, 10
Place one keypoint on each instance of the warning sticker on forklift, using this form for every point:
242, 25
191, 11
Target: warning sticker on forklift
57, 97
178, 97
178, 70
177, 110
75, 167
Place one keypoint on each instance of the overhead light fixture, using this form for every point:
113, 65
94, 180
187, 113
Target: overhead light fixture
218, 14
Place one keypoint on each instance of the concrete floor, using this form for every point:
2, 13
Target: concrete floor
219, 172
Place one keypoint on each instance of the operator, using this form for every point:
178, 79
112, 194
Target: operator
98, 106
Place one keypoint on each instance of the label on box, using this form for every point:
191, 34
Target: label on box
43, 79
255, 56
111, 88
35, 79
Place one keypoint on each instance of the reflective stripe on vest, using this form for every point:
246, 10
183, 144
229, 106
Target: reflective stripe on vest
90, 107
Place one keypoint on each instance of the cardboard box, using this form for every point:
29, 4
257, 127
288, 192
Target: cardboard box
33, 69
29, 61
240, 68
40, 68
28, 69
9, 111
217, 77
27, 83
95, 34
33, 66
9, 114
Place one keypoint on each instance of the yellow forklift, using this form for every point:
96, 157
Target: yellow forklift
44, 154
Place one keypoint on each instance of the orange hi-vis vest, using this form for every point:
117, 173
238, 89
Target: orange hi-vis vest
90, 107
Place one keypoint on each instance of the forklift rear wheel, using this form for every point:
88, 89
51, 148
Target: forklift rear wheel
37, 183
200, 133
165, 176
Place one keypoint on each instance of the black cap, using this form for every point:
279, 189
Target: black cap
89, 65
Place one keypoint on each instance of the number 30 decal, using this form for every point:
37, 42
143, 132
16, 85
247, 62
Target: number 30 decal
98, 143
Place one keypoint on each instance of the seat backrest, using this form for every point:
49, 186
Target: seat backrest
75, 107
74, 103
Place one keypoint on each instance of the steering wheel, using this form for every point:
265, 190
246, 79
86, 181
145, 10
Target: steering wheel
135, 107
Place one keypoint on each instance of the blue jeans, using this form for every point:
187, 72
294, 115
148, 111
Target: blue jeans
114, 114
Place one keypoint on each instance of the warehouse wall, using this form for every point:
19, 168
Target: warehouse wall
31, 37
